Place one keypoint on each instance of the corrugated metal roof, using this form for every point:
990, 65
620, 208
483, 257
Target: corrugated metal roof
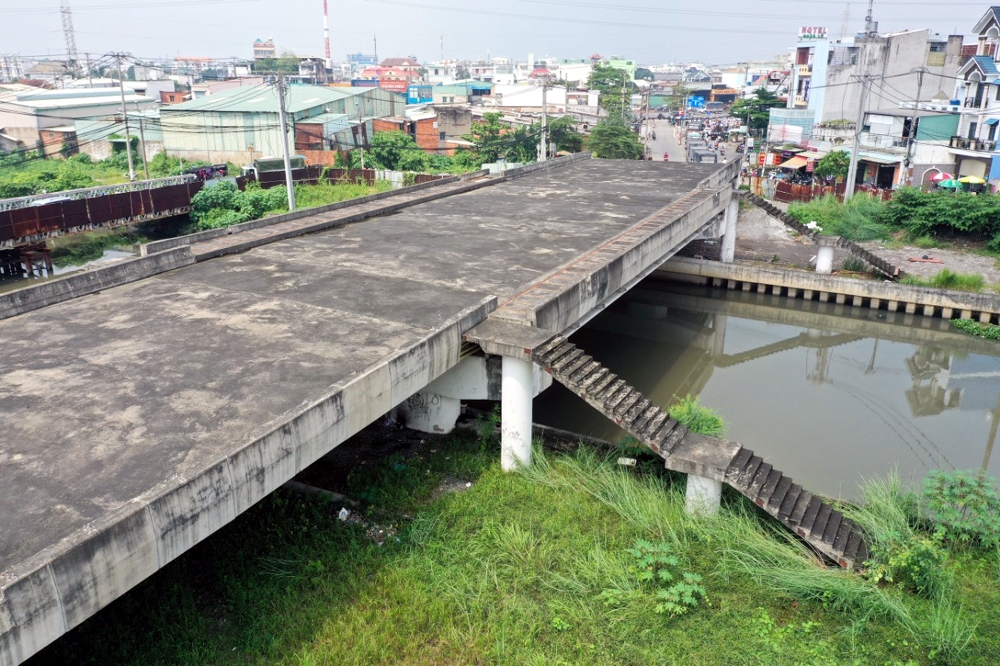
264, 99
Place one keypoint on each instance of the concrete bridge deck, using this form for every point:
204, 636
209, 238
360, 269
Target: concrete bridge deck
138, 420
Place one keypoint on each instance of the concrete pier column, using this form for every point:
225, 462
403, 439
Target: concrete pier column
516, 390
728, 252
824, 255
703, 495
430, 412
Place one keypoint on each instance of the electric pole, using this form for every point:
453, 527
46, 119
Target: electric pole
289, 184
543, 148
128, 139
142, 142
913, 128
852, 171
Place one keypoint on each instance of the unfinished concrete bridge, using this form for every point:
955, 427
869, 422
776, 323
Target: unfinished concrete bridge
147, 405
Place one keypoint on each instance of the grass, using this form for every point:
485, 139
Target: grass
528, 567
857, 220
311, 196
946, 279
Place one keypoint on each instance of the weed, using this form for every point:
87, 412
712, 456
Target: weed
78, 249
946, 279
965, 507
696, 418
854, 264
980, 330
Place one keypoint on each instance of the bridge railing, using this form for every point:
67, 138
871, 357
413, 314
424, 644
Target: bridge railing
99, 191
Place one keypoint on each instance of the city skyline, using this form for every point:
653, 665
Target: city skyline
644, 31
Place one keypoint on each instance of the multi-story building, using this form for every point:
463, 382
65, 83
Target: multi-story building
977, 97
264, 49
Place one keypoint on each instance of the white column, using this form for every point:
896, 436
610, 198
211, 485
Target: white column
824, 259
515, 413
729, 237
703, 496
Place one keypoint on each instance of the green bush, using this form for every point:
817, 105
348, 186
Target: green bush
697, 419
965, 507
224, 196
937, 213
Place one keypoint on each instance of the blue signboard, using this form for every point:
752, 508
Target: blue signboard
696, 102
419, 95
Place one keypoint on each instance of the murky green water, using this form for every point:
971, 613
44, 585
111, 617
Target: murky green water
63, 271
828, 394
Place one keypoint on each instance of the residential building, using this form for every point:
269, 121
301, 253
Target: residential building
264, 49
241, 124
438, 130
50, 71
465, 92
528, 97
11, 67
440, 72
624, 65
410, 66
199, 90
571, 71
977, 95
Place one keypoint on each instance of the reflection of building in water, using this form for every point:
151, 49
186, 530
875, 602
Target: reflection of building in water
943, 379
930, 370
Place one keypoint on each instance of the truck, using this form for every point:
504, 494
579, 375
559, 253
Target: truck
262, 164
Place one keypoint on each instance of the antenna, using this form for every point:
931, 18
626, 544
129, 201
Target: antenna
845, 24
326, 35
871, 26
67, 21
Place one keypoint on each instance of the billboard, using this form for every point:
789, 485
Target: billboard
364, 83
393, 85
696, 102
807, 33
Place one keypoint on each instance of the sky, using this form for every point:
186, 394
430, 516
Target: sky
648, 31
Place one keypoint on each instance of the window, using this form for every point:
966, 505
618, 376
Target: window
972, 130
441, 136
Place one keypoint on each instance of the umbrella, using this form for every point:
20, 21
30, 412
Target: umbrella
951, 184
941, 175
971, 180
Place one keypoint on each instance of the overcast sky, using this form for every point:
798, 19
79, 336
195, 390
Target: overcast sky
650, 31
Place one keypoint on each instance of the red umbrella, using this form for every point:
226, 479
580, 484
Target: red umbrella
941, 175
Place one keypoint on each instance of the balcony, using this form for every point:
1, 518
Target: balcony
973, 103
979, 145
805, 70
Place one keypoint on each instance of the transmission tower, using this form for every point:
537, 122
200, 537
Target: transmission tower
845, 24
67, 21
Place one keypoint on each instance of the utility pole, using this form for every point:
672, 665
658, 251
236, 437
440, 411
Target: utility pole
128, 139
624, 78
289, 184
543, 148
852, 171
912, 139
142, 142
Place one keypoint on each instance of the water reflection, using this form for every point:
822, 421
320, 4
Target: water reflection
829, 392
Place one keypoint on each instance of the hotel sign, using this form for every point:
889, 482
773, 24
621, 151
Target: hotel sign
812, 33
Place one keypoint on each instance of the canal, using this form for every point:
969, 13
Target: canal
829, 394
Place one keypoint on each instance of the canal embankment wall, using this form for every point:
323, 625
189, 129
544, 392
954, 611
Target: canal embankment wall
872, 294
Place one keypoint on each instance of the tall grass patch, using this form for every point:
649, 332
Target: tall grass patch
860, 219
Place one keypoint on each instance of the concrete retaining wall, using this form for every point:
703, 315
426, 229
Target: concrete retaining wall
60, 587
168, 243
890, 296
91, 281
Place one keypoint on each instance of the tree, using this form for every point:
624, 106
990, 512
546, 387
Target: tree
488, 138
462, 73
288, 63
834, 164
389, 149
610, 81
562, 132
612, 139
757, 107
643, 74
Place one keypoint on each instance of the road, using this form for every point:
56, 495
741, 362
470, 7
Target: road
665, 142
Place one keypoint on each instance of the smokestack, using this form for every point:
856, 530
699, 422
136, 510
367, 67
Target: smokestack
326, 36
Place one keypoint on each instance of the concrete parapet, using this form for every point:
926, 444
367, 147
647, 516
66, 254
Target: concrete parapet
544, 166
88, 282
56, 589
